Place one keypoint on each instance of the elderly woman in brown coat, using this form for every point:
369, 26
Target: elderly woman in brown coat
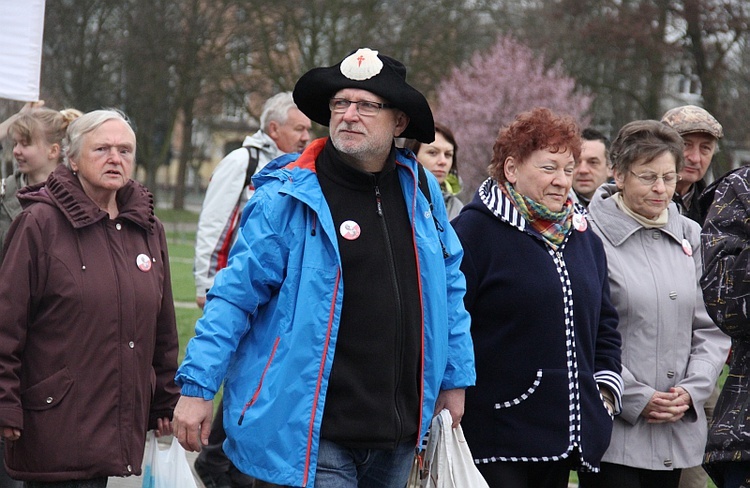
88, 342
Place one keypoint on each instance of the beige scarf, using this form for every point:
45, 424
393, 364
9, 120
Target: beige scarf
659, 221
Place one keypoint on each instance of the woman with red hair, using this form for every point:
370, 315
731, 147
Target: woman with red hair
544, 329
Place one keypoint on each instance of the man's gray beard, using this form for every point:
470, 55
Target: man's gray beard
364, 150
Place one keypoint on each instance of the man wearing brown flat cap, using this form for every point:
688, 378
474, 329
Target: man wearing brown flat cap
338, 326
700, 132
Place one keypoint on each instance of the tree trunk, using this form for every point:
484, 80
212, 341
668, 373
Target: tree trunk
186, 155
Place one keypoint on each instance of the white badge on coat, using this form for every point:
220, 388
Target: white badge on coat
143, 262
687, 248
350, 230
580, 223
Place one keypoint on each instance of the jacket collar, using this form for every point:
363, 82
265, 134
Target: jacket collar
490, 198
64, 191
616, 226
330, 163
500, 205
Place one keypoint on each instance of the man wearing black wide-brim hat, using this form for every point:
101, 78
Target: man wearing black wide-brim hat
341, 310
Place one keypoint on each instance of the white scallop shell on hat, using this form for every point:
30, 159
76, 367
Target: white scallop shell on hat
361, 65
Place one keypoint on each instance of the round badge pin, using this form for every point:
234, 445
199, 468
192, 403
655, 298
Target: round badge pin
350, 230
143, 262
687, 248
580, 223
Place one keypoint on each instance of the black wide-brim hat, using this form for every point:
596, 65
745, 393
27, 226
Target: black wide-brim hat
367, 70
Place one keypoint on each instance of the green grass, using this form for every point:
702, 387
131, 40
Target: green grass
181, 241
183, 284
181, 252
186, 318
167, 215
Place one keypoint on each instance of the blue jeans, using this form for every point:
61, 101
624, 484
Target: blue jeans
341, 467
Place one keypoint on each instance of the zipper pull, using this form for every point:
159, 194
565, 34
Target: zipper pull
377, 199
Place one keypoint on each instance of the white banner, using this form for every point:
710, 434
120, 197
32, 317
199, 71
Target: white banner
21, 31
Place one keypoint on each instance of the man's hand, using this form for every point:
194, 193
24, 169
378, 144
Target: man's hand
200, 301
192, 422
453, 400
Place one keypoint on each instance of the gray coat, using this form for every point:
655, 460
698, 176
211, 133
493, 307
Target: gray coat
668, 339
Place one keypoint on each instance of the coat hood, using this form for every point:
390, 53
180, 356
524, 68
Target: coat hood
263, 142
64, 191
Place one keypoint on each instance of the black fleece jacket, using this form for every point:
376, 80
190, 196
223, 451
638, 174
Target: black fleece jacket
373, 393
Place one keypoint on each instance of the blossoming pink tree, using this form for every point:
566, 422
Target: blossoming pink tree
486, 92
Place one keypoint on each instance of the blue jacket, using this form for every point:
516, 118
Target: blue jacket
271, 321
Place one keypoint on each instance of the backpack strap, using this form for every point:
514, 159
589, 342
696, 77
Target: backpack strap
252, 163
423, 185
425, 189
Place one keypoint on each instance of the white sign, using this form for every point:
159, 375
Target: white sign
21, 31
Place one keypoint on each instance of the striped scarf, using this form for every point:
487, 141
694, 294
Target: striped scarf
553, 226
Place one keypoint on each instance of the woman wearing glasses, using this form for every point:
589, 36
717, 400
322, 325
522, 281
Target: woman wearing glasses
672, 351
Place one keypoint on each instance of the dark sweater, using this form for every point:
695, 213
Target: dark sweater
692, 205
373, 393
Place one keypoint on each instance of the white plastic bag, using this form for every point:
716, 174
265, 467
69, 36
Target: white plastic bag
447, 461
168, 468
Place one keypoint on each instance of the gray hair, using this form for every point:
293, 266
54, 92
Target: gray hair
86, 123
645, 140
276, 109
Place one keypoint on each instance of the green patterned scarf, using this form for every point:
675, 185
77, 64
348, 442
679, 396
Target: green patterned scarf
553, 226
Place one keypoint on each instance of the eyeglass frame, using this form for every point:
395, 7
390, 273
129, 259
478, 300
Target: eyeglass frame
656, 177
377, 106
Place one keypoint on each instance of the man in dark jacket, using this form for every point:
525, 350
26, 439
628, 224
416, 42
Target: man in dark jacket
700, 132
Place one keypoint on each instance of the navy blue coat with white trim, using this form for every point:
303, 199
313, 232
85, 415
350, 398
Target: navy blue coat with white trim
537, 392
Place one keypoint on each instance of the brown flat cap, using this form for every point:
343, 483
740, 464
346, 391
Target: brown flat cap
690, 119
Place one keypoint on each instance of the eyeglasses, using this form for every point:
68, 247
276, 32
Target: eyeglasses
669, 179
364, 107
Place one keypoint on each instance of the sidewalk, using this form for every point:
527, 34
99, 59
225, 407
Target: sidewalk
136, 481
